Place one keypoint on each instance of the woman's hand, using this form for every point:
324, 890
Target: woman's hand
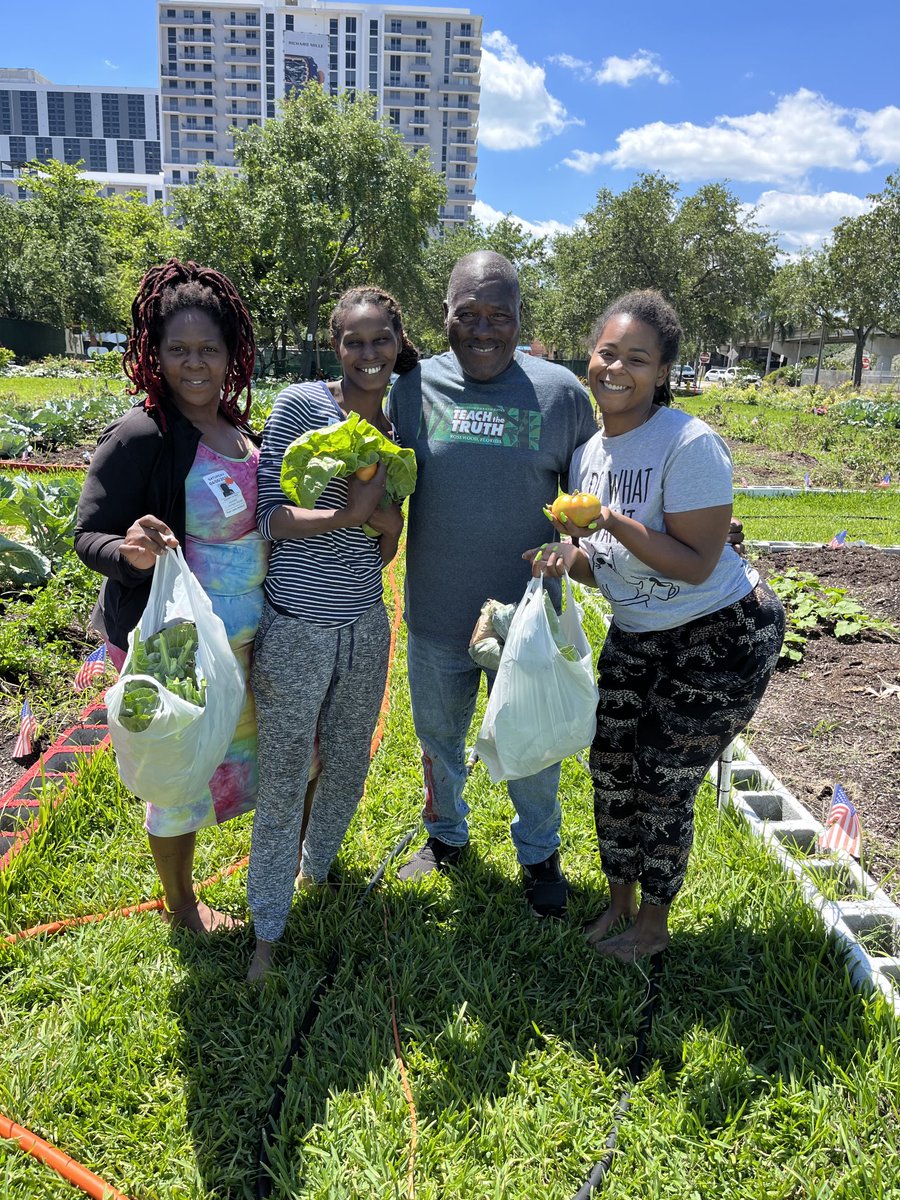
554, 559
388, 521
364, 496
568, 528
145, 541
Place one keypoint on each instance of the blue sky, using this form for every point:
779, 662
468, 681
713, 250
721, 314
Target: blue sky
796, 106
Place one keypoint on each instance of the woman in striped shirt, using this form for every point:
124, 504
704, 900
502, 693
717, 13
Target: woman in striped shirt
321, 656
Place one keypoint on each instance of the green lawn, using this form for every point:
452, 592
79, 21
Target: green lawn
36, 390
146, 1058
872, 517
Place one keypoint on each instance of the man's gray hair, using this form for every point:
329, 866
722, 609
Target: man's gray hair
481, 265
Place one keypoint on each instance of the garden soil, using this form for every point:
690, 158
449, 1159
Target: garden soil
835, 716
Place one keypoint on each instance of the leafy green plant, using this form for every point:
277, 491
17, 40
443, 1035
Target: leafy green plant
872, 414
813, 609
6, 357
46, 507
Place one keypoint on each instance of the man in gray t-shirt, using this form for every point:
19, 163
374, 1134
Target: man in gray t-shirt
494, 432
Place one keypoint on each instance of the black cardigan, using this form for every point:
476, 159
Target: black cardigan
138, 468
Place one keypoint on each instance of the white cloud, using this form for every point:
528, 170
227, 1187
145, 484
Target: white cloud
490, 216
624, 71
881, 133
583, 161
112, 66
802, 221
804, 130
578, 65
517, 111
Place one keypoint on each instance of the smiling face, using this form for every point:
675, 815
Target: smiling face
193, 359
483, 316
368, 347
625, 370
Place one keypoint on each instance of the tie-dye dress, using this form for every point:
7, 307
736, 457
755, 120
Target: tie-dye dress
229, 558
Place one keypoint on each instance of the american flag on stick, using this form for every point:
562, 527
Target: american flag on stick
94, 664
838, 540
27, 729
842, 828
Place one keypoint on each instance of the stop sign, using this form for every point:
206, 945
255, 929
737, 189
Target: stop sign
704, 357
867, 362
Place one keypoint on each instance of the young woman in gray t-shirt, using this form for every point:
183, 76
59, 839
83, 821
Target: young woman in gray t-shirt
695, 634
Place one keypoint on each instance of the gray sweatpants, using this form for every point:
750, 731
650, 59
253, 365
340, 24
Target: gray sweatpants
306, 677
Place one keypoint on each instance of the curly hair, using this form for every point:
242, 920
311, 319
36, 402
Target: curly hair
408, 355
172, 287
654, 310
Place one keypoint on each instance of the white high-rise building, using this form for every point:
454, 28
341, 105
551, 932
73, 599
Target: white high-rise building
113, 130
227, 64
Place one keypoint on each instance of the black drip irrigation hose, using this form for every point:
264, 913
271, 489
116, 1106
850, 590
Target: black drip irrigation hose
326, 980
635, 1071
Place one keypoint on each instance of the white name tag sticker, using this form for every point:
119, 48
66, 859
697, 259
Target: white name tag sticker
226, 491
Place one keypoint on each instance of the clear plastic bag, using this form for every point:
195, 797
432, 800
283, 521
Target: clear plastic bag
543, 705
171, 761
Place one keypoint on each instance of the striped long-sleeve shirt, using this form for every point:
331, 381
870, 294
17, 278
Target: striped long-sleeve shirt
332, 578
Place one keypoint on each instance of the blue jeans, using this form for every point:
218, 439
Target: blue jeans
443, 687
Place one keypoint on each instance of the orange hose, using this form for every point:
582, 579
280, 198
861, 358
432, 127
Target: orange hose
73, 922
395, 625
68, 1168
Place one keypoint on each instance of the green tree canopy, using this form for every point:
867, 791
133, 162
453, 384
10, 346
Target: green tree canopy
326, 197
703, 252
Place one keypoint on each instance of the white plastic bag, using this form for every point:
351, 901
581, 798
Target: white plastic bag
171, 761
542, 706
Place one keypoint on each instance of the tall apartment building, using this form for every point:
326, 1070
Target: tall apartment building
115, 131
227, 64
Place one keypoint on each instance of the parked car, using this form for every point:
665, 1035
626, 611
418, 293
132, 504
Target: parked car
681, 371
741, 376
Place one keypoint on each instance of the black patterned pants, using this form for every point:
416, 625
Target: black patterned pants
670, 702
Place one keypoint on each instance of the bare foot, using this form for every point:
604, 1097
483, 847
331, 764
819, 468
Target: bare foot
633, 944
600, 926
200, 918
260, 964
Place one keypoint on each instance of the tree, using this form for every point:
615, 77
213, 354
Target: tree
327, 197
507, 237
702, 252
63, 244
137, 235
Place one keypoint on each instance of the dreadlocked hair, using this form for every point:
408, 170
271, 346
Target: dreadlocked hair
654, 310
408, 355
172, 287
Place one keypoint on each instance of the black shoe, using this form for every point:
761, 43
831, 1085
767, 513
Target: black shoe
546, 889
435, 855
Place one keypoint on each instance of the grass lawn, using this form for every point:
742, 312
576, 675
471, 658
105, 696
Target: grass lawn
146, 1058
872, 517
37, 389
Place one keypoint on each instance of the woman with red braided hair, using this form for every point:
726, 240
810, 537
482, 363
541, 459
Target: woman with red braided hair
179, 468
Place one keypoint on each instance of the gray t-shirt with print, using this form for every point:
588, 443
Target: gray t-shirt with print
672, 463
489, 456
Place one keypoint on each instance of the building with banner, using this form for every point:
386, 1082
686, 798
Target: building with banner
224, 65
113, 131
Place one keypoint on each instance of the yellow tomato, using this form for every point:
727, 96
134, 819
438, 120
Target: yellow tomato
366, 473
580, 507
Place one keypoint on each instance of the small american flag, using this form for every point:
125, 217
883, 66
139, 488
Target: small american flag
842, 830
838, 540
94, 664
885, 481
27, 729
